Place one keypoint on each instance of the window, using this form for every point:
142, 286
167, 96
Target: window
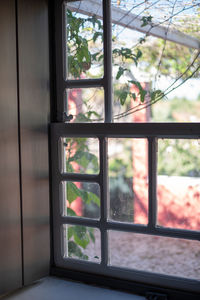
117, 208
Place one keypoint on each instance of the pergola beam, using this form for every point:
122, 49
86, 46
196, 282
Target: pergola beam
132, 21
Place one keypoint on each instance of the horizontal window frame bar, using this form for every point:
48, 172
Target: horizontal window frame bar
111, 269
82, 262
165, 281
120, 284
131, 227
125, 130
83, 83
157, 231
78, 177
68, 220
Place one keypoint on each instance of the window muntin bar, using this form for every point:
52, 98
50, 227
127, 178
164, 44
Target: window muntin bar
104, 199
107, 28
158, 231
79, 221
85, 83
180, 130
152, 155
79, 177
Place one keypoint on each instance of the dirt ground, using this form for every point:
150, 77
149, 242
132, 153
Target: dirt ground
163, 255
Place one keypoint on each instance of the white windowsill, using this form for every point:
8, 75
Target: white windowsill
52, 288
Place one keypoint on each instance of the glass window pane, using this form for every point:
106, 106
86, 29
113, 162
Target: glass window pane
81, 242
84, 39
85, 105
156, 254
155, 74
80, 155
178, 183
128, 180
81, 199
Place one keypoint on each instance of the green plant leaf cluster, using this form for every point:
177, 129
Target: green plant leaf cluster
174, 61
142, 92
81, 32
73, 192
78, 152
75, 250
79, 237
146, 21
127, 54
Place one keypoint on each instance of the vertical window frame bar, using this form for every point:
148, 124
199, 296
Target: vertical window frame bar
152, 171
59, 53
107, 34
104, 201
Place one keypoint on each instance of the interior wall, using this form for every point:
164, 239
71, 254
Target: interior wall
10, 223
34, 118
24, 118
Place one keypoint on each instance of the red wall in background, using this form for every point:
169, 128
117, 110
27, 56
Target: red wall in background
177, 207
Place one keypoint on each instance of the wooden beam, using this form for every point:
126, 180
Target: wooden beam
132, 21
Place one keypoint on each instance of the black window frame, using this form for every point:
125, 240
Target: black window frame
138, 281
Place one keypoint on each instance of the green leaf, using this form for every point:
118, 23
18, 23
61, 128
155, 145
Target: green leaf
96, 35
142, 40
72, 192
139, 54
69, 167
74, 250
71, 212
146, 21
142, 95
122, 97
133, 96
70, 232
82, 118
120, 72
116, 51
95, 55
91, 234
92, 112
93, 198
142, 92
157, 94
100, 57
80, 54
85, 158
86, 54
94, 161
84, 195
81, 236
